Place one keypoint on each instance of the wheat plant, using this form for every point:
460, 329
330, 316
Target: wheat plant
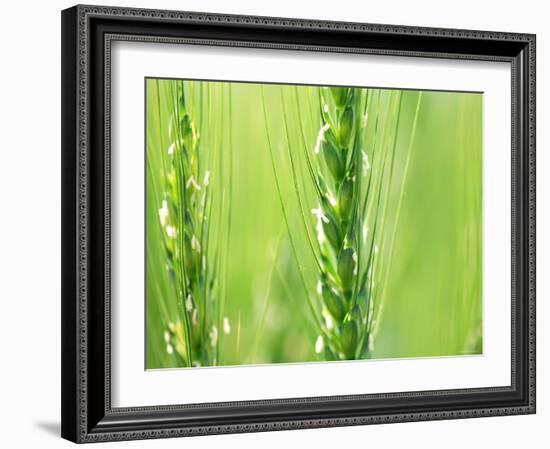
342, 281
184, 217
351, 179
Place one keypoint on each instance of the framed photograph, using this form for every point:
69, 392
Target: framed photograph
276, 224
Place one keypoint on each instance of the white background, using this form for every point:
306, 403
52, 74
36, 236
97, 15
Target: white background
132, 386
30, 223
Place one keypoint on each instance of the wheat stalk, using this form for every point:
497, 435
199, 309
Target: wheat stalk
339, 221
347, 260
186, 206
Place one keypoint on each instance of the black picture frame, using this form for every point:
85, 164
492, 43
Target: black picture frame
87, 32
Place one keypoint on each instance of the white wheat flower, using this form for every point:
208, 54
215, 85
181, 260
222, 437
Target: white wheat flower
226, 326
319, 214
329, 323
189, 303
213, 336
170, 231
366, 164
192, 182
321, 137
365, 231
319, 344
320, 232
321, 217
206, 178
331, 199
169, 349
163, 213
167, 336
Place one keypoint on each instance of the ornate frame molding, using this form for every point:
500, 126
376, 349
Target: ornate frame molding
84, 418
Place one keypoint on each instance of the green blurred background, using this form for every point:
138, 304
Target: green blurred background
429, 295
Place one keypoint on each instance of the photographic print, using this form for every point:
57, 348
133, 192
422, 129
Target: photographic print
344, 210
303, 223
